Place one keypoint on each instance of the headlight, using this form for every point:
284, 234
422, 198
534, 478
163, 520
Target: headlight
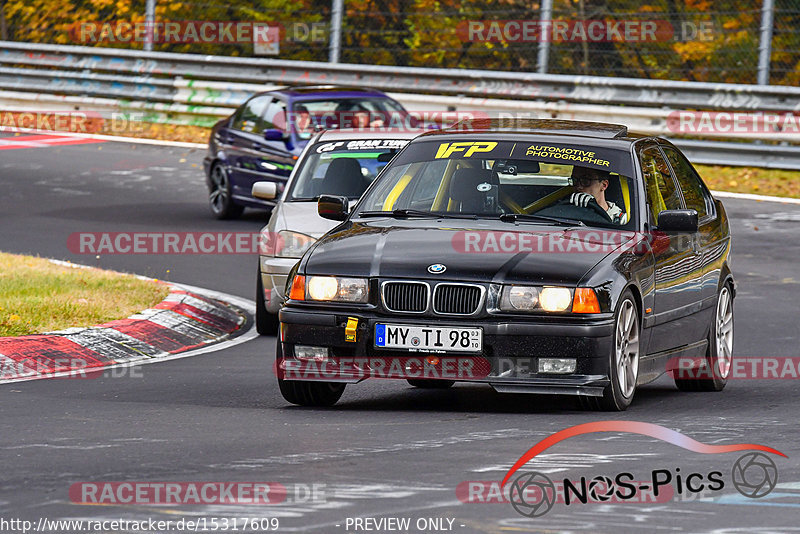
292, 244
322, 288
337, 289
555, 299
519, 298
549, 298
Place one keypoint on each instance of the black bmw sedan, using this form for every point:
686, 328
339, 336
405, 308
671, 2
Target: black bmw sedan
541, 256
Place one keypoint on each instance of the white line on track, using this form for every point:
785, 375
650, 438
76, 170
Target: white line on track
141, 141
758, 198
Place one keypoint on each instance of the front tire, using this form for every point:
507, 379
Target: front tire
311, 393
719, 356
623, 360
267, 324
302, 393
220, 198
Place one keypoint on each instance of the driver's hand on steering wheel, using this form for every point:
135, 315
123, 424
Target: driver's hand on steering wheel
581, 199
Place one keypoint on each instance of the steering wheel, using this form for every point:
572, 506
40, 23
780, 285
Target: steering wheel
594, 206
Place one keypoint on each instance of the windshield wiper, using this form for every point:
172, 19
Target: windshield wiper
417, 213
562, 221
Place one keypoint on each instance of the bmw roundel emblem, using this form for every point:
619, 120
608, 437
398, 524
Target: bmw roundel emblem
437, 268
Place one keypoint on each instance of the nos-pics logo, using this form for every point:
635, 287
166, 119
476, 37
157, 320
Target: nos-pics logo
533, 494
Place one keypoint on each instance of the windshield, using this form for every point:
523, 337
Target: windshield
353, 112
343, 168
488, 179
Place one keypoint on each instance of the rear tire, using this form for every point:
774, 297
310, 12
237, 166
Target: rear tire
220, 198
623, 361
719, 356
430, 384
267, 324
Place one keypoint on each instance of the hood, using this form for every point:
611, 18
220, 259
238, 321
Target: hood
302, 217
478, 251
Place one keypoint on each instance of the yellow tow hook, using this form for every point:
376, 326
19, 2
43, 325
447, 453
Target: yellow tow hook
350, 329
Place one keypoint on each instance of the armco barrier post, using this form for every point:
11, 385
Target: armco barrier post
765, 43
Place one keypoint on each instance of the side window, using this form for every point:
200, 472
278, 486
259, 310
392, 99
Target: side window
275, 116
250, 116
659, 185
694, 193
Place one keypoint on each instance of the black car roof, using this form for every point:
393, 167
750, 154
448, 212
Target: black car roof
323, 89
577, 132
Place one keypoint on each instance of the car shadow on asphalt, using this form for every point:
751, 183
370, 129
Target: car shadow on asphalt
470, 398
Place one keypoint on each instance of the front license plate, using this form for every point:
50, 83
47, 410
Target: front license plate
428, 338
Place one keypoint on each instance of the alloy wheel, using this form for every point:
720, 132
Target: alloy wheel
724, 332
627, 348
218, 197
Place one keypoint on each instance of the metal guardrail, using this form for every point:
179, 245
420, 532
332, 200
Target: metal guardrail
477, 83
197, 89
740, 154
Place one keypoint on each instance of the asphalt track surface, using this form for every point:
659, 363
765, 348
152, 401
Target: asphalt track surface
386, 450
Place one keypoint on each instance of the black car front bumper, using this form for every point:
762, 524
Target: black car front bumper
508, 361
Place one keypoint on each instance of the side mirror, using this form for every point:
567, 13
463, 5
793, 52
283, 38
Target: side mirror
274, 135
333, 208
265, 190
684, 221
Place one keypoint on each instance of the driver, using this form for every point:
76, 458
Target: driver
357, 116
303, 122
590, 186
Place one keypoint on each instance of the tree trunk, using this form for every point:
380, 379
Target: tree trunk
3, 25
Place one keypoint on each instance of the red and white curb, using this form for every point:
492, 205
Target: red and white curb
44, 141
188, 322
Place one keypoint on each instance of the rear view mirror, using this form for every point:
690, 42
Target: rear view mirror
386, 157
684, 221
265, 190
514, 167
333, 207
274, 135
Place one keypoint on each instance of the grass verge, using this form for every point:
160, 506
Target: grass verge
38, 296
755, 180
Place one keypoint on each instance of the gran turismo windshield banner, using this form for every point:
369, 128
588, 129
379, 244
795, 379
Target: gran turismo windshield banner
611, 160
361, 144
